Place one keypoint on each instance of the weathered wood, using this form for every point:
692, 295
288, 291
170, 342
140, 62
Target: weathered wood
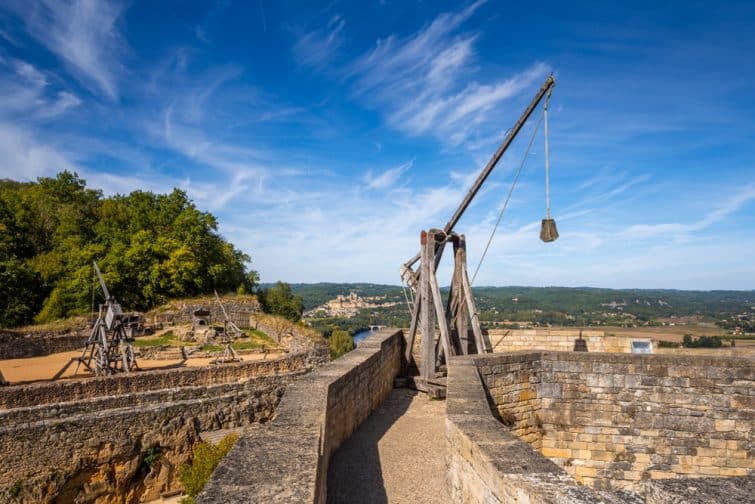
412, 331
109, 343
438, 302
472, 311
433, 387
228, 321
461, 313
426, 318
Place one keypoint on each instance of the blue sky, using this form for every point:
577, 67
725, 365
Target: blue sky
325, 137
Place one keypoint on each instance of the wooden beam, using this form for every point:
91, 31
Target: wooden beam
462, 327
412, 331
426, 317
438, 302
471, 305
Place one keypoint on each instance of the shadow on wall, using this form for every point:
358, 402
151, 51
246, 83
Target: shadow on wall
363, 483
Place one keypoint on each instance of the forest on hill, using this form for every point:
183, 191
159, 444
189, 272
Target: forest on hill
564, 306
150, 248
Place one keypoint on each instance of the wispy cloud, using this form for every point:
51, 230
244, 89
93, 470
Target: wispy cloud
672, 230
388, 178
26, 93
24, 156
422, 81
82, 33
316, 48
211, 19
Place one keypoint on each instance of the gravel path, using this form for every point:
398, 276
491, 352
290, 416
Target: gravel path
397, 455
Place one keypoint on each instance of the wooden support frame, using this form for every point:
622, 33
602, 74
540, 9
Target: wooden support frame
453, 321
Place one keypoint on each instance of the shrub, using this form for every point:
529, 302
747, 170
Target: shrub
151, 456
16, 488
340, 342
668, 344
204, 459
701, 342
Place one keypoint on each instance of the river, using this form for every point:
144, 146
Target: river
358, 337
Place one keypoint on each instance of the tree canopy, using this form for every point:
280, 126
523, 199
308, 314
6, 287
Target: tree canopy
340, 342
279, 300
150, 247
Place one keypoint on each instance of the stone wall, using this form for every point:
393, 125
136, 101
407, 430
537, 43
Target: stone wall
97, 448
240, 310
513, 383
122, 438
558, 340
488, 464
287, 460
70, 390
21, 345
614, 420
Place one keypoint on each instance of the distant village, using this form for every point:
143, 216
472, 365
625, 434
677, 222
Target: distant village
347, 306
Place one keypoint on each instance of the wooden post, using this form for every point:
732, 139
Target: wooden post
481, 348
460, 314
426, 313
412, 331
438, 302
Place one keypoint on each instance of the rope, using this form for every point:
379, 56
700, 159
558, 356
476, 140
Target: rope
409, 305
508, 197
547, 163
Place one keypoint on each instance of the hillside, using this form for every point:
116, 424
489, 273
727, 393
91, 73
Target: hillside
579, 306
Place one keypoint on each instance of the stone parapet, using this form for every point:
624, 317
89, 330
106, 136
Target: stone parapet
17, 344
287, 460
488, 464
622, 421
69, 390
558, 340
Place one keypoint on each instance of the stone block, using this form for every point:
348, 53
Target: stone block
724, 425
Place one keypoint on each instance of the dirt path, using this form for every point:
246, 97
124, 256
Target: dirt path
397, 455
44, 368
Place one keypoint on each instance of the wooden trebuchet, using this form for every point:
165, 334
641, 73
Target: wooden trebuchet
459, 315
230, 332
109, 347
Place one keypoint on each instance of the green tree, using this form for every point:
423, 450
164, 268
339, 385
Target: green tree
340, 342
150, 247
20, 299
279, 300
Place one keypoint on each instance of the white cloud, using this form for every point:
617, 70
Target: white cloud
388, 178
316, 48
82, 33
422, 81
673, 230
26, 93
24, 157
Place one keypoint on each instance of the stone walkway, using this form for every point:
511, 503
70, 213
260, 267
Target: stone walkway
397, 455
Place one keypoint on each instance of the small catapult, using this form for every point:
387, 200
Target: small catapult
109, 348
460, 312
230, 332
